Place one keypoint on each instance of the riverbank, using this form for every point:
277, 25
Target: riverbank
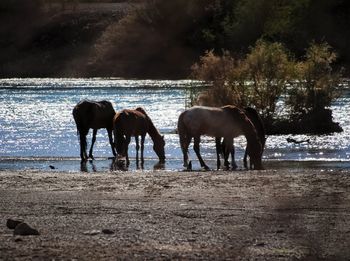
272, 215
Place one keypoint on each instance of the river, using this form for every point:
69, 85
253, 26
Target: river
37, 130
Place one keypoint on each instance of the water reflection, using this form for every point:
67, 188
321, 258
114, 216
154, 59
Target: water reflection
118, 165
84, 166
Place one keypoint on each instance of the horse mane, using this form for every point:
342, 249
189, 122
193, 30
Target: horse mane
152, 130
181, 129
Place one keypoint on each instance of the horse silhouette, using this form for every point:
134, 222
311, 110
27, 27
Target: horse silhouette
255, 118
93, 115
228, 122
128, 123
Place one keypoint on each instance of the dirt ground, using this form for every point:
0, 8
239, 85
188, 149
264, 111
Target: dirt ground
242, 215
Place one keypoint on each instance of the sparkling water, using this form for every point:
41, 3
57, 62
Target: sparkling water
37, 129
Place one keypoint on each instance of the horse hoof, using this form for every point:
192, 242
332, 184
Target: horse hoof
206, 168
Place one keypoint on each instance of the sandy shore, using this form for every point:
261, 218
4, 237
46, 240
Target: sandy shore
243, 215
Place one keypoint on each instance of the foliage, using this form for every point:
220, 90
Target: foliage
216, 69
261, 78
269, 68
315, 85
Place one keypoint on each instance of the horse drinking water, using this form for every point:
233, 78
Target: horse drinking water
128, 123
228, 122
93, 115
255, 118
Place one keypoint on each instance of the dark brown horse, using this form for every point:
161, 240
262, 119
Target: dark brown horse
255, 118
93, 115
128, 123
228, 122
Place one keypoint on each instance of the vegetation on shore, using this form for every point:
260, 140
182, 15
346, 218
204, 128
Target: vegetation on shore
161, 39
269, 75
252, 51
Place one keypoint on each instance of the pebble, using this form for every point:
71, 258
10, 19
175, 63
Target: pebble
12, 223
23, 229
107, 231
92, 232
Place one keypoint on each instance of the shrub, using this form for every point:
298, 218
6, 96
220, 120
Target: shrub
269, 70
258, 80
315, 85
267, 74
215, 69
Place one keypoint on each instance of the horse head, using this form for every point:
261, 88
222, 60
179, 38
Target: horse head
120, 145
158, 148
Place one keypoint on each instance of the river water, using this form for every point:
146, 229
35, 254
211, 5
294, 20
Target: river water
37, 129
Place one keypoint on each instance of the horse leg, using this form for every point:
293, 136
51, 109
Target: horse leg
233, 161
196, 142
82, 136
92, 143
127, 142
142, 148
227, 147
137, 149
218, 151
245, 162
110, 137
185, 142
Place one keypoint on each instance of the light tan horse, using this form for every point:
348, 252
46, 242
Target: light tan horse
128, 123
93, 115
228, 122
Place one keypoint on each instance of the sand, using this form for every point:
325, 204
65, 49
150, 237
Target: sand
241, 215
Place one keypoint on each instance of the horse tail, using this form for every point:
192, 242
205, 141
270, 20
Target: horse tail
182, 129
76, 118
81, 131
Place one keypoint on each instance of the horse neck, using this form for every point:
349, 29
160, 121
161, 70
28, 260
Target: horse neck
152, 131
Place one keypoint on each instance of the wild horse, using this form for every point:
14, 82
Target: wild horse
128, 123
228, 122
255, 118
93, 115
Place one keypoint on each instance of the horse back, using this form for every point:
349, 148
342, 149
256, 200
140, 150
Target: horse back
131, 122
211, 121
94, 114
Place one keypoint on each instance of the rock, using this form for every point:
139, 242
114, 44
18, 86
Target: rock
23, 229
12, 223
107, 231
